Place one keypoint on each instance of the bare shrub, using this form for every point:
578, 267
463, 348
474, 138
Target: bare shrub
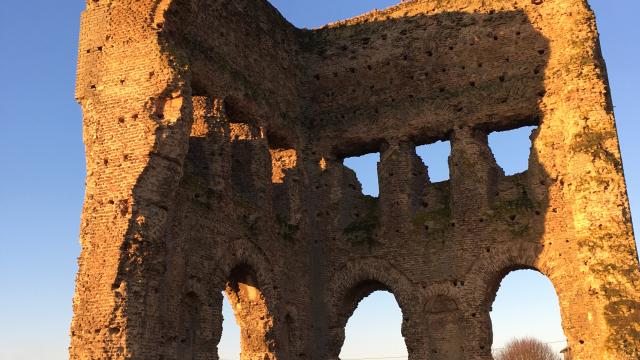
526, 349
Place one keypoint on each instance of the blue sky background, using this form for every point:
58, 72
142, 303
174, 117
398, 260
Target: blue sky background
42, 168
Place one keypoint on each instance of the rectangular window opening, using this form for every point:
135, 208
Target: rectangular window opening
366, 169
436, 157
512, 148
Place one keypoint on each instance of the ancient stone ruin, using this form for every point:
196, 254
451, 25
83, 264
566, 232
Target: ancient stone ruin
215, 133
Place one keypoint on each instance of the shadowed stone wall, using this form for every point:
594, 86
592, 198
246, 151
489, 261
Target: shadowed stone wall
215, 133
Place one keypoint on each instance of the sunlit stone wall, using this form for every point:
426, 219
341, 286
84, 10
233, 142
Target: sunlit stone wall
215, 133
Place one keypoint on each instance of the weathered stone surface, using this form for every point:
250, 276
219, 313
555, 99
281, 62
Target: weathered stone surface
215, 133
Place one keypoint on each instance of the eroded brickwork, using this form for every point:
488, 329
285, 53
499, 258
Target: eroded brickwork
215, 134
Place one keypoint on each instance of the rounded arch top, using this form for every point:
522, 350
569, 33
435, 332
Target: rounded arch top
357, 279
244, 259
486, 274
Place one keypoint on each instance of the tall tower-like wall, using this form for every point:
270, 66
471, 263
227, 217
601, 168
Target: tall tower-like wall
215, 133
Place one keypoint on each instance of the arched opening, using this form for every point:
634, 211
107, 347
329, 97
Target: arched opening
246, 321
526, 306
374, 328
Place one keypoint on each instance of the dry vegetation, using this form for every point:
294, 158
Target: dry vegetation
527, 349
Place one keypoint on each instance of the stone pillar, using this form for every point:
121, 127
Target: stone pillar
478, 336
474, 174
402, 179
446, 334
251, 177
199, 323
597, 276
187, 303
209, 156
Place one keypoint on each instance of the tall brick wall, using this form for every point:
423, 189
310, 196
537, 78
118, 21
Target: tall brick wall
215, 134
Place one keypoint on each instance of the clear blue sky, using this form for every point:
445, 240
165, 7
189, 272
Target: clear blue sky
41, 187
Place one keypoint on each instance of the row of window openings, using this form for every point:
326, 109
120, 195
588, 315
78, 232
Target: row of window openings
511, 150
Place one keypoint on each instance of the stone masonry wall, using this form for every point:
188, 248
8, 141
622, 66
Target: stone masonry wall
215, 133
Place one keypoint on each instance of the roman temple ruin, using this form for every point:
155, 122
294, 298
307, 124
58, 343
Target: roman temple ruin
215, 135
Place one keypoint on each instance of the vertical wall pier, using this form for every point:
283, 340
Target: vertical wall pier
474, 174
251, 177
403, 180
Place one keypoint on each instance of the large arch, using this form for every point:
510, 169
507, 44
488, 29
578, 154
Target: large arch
357, 279
244, 275
374, 329
247, 274
484, 281
526, 306
249, 305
